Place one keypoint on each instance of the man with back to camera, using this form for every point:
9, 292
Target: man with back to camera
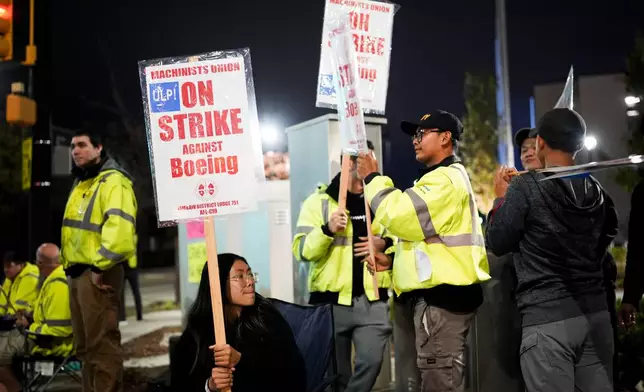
440, 259
526, 140
559, 231
335, 243
98, 234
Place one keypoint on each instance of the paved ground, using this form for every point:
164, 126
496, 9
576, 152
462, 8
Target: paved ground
156, 286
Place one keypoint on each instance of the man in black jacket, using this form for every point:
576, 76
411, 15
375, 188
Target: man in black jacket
559, 231
634, 275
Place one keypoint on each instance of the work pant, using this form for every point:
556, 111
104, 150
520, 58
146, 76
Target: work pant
96, 330
612, 311
366, 325
131, 277
440, 343
407, 374
569, 355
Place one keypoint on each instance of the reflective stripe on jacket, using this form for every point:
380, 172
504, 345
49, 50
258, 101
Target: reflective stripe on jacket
100, 219
22, 291
441, 240
132, 262
331, 258
52, 315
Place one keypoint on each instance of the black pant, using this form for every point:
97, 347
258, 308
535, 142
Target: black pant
611, 297
132, 277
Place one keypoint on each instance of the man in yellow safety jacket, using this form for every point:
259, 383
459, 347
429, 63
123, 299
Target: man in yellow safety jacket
97, 238
334, 242
49, 328
440, 257
20, 288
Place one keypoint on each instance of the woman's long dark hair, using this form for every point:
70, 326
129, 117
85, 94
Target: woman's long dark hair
252, 325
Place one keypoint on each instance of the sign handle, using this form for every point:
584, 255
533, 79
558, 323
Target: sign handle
215, 287
372, 248
344, 182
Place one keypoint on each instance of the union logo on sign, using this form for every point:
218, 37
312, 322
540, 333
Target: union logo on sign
206, 191
326, 85
164, 97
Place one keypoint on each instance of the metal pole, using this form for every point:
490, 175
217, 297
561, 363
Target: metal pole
506, 148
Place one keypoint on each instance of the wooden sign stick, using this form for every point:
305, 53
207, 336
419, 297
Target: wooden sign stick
215, 287
372, 248
344, 182
342, 205
518, 173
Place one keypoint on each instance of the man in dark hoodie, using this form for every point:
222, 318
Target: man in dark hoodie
98, 235
334, 242
559, 231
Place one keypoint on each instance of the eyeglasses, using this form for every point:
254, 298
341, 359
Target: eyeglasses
252, 277
420, 132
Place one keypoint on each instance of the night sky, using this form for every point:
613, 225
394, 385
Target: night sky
434, 44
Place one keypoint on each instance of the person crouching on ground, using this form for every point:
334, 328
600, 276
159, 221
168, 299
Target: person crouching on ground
261, 353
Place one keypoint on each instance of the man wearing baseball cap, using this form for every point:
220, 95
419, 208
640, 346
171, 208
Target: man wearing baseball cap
558, 231
440, 260
526, 139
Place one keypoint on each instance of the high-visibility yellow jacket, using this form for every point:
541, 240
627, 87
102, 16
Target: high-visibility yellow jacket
52, 315
22, 291
436, 221
100, 219
331, 258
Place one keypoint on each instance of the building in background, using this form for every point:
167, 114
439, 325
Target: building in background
600, 100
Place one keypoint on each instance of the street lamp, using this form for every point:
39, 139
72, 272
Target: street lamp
590, 143
631, 100
270, 134
632, 113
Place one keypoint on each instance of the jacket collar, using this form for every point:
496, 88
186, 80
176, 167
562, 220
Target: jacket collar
333, 190
450, 160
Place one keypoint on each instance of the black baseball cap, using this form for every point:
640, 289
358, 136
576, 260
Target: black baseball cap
562, 129
438, 119
523, 134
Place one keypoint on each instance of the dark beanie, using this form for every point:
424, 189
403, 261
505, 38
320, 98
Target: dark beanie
562, 129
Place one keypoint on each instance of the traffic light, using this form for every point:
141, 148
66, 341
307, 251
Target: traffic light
6, 29
21, 110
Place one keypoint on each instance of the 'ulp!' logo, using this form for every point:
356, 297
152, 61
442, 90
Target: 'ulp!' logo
206, 191
164, 97
326, 85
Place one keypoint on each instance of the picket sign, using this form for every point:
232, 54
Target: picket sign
202, 128
353, 135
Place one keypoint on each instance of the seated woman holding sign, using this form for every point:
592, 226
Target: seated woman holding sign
260, 354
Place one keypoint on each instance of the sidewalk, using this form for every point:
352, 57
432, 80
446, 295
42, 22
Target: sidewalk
151, 322
156, 286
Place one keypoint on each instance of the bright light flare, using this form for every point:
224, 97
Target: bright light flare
631, 100
590, 143
5, 12
270, 134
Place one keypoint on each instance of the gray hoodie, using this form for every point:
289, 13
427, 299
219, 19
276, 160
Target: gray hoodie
558, 231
